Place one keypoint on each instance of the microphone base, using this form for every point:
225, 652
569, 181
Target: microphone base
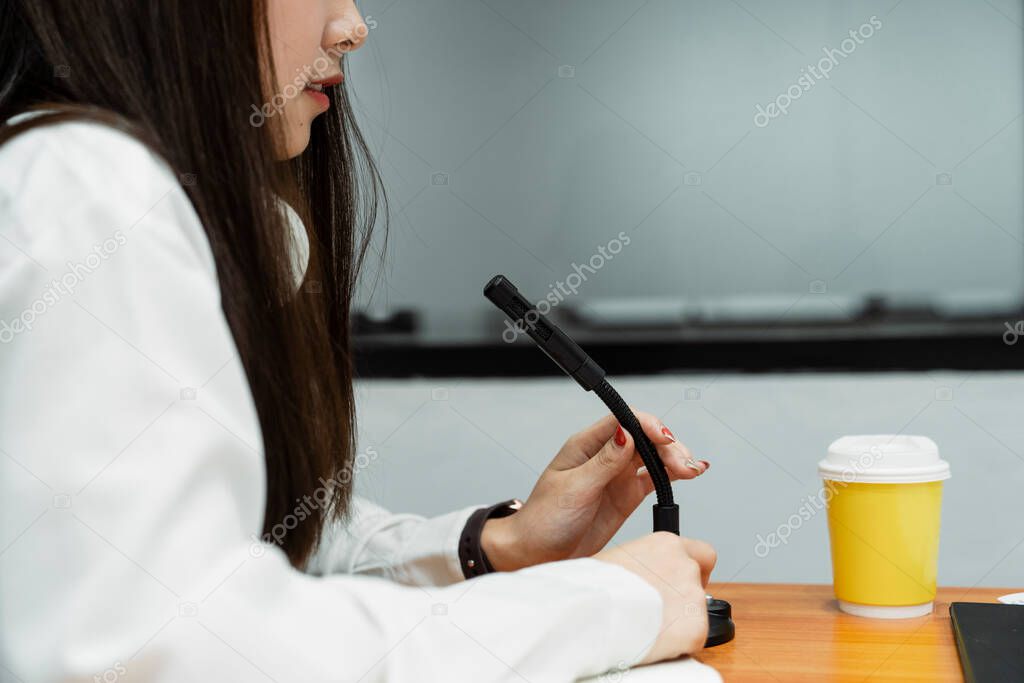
721, 628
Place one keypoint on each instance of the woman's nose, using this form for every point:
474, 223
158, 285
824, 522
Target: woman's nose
346, 29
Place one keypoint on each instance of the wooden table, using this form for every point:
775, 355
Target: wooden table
795, 632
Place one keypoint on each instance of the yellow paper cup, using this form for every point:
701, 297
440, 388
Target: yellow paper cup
884, 497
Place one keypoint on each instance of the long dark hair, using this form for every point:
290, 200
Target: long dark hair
182, 76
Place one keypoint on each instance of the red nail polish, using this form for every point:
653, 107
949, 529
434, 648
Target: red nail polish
668, 432
620, 437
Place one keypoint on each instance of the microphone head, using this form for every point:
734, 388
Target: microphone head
503, 294
552, 341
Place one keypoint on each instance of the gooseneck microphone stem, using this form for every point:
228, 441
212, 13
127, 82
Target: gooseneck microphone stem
575, 362
666, 512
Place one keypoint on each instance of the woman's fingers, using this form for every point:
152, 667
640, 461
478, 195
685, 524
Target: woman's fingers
610, 460
657, 432
704, 555
584, 444
679, 461
588, 443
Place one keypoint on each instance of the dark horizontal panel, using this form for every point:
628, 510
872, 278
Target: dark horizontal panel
988, 352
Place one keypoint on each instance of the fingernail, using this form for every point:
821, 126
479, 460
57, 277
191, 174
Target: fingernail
620, 436
693, 466
641, 471
706, 464
667, 432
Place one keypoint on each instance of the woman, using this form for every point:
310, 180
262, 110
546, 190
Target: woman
183, 218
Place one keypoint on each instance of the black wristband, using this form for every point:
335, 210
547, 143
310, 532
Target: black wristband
471, 552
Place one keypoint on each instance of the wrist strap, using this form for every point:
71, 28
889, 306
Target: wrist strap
471, 552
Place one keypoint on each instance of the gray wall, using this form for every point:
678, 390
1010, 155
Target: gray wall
443, 445
899, 173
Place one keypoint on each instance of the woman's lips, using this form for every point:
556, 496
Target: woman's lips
333, 80
319, 97
316, 90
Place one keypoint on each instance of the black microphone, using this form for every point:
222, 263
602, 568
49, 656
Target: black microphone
575, 362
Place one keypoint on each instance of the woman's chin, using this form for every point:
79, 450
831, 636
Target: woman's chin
299, 146
296, 140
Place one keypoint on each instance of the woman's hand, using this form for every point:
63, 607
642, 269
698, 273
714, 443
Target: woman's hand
584, 496
678, 568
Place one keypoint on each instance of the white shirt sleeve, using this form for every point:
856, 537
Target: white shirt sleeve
132, 481
407, 548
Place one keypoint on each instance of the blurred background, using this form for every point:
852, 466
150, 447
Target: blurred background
775, 222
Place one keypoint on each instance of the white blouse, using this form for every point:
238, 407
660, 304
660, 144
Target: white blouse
132, 479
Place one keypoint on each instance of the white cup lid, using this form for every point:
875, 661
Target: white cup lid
883, 459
